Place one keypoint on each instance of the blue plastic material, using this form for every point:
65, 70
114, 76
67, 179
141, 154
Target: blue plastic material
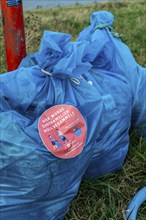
91, 74
115, 56
134, 205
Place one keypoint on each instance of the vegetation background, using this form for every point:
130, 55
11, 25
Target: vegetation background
107, 197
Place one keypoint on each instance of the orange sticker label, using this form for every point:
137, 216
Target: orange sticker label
63, 130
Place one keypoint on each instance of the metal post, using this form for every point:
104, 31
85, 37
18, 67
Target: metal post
13, 28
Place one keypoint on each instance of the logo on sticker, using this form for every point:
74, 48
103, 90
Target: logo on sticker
63, 131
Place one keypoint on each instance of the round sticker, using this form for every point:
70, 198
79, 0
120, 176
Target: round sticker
63, 131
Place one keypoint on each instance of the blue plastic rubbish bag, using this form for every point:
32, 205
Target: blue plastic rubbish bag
115, 56
36, 184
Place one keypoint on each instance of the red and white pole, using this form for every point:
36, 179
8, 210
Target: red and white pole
14, 36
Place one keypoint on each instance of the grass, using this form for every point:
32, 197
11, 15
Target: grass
107, 197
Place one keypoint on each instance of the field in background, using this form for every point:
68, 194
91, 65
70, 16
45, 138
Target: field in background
105, 198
